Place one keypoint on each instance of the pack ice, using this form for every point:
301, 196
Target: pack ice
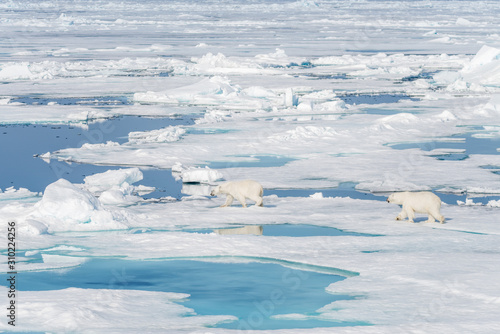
352, 99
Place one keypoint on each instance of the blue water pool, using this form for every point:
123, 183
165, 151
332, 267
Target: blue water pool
290, 230
95, 101
257, 161
302, 230
345, 189
254, 292
374, 98
21, 142
465, 142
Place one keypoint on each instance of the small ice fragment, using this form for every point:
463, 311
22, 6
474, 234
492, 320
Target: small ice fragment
290, 99
200, 175
165, 135
493, 204
101, 182
178, 168
463, 22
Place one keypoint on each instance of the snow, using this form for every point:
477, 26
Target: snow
15, 71
64, 206
106, 310
200, 175
290, 86
98, 183
211, 91
171, 133
15, 194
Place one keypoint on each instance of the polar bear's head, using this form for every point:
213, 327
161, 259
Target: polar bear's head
395, 198
215, 191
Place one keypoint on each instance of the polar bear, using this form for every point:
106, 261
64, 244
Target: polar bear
240, 190
421, 202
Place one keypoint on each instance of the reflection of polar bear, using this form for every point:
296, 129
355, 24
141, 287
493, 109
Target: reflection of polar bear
421, 202
252, 229
240, 190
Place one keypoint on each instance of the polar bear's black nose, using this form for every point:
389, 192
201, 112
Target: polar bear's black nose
388, 201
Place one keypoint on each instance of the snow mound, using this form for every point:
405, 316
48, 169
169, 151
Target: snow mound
318, 195
305, 132
337, 106
65, 207
463, 22
200, 175
491, 108
258, 91
15, 72
214, 91
277, 58
114, 187
120, 196
109, 143
484, 68
470, 202
32, 227
201, 92
480, 74
100, 310
401, 118
169, 134
494, 204
219, 63
16, 194
214, 116
98, 183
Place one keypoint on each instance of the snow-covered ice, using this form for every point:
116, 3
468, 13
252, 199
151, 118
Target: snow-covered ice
384, 95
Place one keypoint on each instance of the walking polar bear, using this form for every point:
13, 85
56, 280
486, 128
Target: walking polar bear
421, 202
240, 190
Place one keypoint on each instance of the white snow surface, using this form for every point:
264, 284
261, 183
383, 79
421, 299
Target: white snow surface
291, 85
111, 311
64, 206
200, 175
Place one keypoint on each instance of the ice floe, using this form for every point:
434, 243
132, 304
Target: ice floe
16, 194
157, 136
279, 89
200, 175
114, 187
64, 206
101, 310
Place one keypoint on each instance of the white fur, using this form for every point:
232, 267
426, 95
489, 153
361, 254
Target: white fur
420, 202
240, 190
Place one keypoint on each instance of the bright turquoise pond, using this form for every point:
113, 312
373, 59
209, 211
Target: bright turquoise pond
254, 292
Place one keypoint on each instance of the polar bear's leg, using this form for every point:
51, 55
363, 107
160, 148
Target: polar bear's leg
411, 214
402, 215
406, 212
435, 215
257, 199
431, 219
229, 201
241, 199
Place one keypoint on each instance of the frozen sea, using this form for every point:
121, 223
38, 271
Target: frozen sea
118, 117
